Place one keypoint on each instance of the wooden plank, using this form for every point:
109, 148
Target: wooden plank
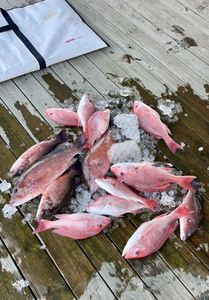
199, 7
120, 39
184, 264
109, 263
51, 250
9, 276
160, 37
162, 16
156, 57
26, 114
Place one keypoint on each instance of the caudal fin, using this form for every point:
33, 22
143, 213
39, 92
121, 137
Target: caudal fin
186, 182
42, 225
172, 145
62, 136
182, 211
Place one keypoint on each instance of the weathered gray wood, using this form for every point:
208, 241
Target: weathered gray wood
153, 270
160, 37
9, 276
199, 7
149, 52
165, 19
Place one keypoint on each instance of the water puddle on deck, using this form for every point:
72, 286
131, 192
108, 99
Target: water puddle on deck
61, 91
123, 283
39, 129
198, 285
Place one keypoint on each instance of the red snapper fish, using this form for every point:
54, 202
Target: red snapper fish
34, 181
114, 206
57, 194
150, 121
151, 235
145, 177
97, 125
118, 189
85, 111
75, 226
96, 163
36, 152
190, 223
63, 116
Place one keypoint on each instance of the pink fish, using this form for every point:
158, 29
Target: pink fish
98, 123
151, 235
118, 189
36, 152
34, 181
96, 163
150, 121
85, 111
114, 206
63, 116
75, 226
190, 223
57, 194
145, 177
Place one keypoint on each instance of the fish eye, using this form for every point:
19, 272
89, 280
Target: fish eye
100, 225
121, 173
137, 252
15, 190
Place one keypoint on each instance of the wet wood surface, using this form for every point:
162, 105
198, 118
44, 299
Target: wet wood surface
167, 46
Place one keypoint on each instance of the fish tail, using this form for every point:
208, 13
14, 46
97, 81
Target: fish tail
80, 141
42, 225
187, 182
182, 211
62, 136
172, 145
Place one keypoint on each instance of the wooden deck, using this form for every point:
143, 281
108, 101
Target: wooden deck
167, 43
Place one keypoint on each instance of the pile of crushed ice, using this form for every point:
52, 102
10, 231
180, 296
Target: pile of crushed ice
169, 109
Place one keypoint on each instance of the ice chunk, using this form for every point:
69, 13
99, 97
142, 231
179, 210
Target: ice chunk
126, 92
81, 200
167, 200
101, 104
127, 151
28, 218
8, 211
4, 185
148, 146
129, 125
116, 135
203, 246
169, 109
19, 285
43, 247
